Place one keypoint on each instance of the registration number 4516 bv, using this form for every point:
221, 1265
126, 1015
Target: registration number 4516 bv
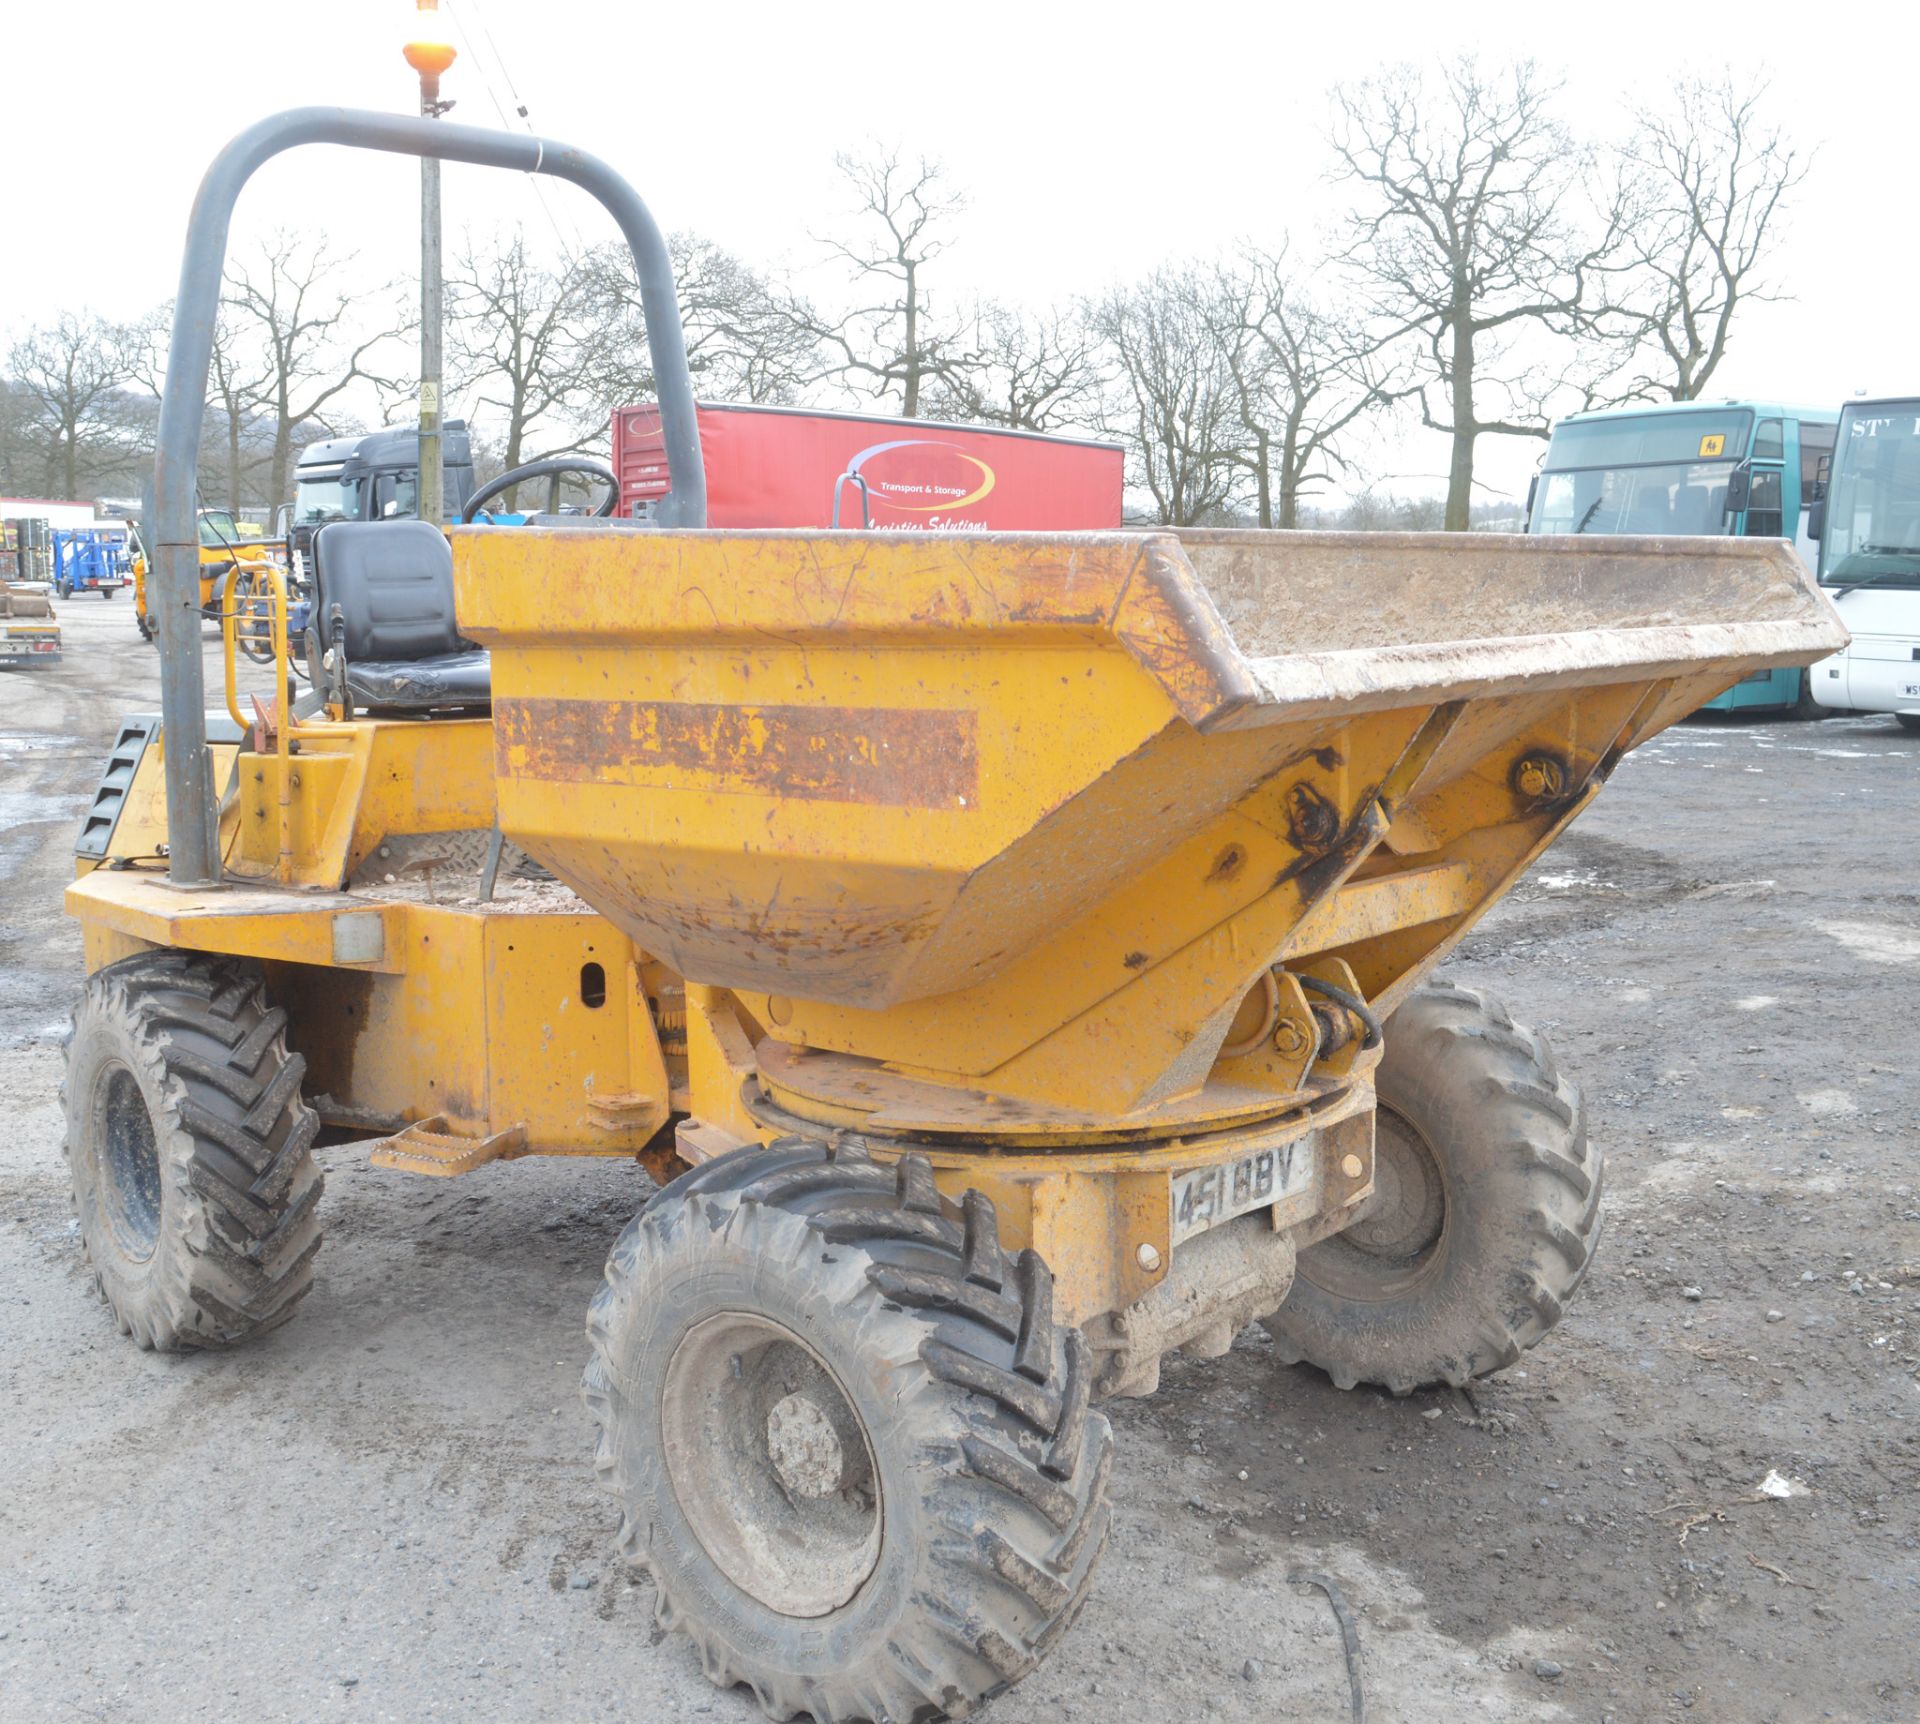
1210, 1195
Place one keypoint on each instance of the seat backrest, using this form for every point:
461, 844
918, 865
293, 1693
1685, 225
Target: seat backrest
391, 583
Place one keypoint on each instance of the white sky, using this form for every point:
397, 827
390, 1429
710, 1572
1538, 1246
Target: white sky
1094, 140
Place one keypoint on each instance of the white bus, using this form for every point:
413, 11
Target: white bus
1869, 532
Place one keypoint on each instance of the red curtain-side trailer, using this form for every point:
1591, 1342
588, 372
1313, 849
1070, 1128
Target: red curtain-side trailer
780, 467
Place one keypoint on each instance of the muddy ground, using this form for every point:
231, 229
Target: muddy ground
386, 1511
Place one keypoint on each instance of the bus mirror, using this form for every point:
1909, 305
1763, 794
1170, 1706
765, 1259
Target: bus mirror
1817, 518
1739, 488
1533, 489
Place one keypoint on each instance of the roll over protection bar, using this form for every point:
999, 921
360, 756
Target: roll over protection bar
192, 825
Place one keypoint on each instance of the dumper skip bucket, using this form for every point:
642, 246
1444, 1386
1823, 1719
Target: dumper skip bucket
896, 788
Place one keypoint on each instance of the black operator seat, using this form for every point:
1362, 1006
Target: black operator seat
383, 603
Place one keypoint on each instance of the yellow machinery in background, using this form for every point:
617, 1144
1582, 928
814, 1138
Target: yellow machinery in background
1011, 954
225, 545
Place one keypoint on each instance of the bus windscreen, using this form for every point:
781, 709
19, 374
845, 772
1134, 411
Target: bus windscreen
1873, 507
1660, 473
1642, 440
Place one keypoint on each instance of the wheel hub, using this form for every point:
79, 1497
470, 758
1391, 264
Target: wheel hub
804, 1447
771, 1464
1404, 1218
128, 1159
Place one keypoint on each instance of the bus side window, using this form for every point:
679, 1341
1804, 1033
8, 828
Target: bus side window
1769, 441
1764, 515
1816, 460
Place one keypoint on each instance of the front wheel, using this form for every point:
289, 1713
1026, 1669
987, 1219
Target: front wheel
190, 1150
851, 1445
1485, 1214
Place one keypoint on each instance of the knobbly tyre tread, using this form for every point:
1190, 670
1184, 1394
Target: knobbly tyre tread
1532, 1164
239, 1226
1009, 1458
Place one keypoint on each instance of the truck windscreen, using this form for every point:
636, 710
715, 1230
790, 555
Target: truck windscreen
1872, 535
328, 498
1653, 473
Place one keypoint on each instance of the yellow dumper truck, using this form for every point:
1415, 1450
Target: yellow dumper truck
1012, 955
225, 544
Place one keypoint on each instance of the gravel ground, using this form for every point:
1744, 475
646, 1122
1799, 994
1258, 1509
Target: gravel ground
386, 1510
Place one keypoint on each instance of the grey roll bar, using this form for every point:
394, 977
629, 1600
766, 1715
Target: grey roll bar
192, 825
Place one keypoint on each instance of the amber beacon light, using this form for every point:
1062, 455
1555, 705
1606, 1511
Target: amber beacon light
427, 49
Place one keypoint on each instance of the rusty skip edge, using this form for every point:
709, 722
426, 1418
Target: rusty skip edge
1169, 624
885, 756
1377, 678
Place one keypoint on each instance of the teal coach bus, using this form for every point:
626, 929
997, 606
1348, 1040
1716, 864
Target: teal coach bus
1737, 467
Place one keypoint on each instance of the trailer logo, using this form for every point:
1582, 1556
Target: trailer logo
935, 478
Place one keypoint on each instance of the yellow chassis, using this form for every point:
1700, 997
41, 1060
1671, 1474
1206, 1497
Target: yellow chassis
454, 1034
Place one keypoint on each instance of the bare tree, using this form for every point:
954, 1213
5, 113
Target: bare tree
522, 337
1028, 371
749, 337
1170, 396
230, 438
311, 334
1709, 177
74, 371
1470, 238
22, 446
892, 342
1302, 377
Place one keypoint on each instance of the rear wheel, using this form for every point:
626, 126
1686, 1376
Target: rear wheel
1804, 705
1909, 721
190, 1150
853, 1448
1486, 1213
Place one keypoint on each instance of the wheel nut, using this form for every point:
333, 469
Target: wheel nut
1352, 1166
1148, 1257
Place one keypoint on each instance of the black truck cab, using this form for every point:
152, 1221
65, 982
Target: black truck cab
371, 477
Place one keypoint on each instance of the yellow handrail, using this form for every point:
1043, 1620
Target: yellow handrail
283, 721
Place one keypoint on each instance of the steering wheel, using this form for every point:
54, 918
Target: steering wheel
551, 472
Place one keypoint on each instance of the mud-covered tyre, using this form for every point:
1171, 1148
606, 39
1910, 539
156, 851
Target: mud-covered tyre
852, 1446
190, 1150
1487, 1213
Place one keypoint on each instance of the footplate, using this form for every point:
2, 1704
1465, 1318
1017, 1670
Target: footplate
428, 1147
